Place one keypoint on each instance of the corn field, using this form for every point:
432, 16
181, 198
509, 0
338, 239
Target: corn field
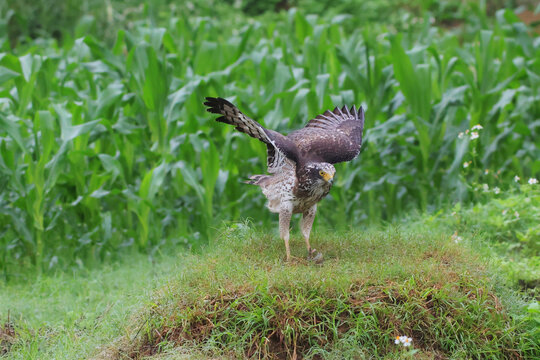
106, 145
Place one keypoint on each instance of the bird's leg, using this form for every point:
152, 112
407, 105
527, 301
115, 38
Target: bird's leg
284, 222
306, 223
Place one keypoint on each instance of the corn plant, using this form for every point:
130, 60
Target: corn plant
105, 143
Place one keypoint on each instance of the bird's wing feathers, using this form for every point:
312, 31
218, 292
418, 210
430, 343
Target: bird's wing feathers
333, 136
281, 151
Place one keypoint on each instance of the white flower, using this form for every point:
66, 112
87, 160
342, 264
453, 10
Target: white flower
532, 181
516, 178
406, 341
485, 187
504, 212
486, 171
461, 135
516, 214
474, 135
496, 190
477, 127
457, 239
466, 164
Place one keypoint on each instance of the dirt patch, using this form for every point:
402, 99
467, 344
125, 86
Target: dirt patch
7, 337
531, 19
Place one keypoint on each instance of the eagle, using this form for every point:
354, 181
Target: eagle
300, 164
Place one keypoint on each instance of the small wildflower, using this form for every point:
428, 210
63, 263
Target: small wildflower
516, 178
457, 239
485, 187
461, 135
532, 181
504, 212
486, 171
466, 164
474, 135
467, 131
454, 213
477, 127
406, 341
516, 214
496, 190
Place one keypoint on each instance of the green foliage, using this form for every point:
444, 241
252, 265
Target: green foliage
106, 146
508, 224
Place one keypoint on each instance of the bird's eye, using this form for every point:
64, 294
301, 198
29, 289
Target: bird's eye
321, 173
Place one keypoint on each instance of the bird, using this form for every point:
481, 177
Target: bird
301, 164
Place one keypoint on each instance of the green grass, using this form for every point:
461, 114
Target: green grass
70, 315
508, 225
240, 298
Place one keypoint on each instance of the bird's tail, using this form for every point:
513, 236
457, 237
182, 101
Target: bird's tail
258, 179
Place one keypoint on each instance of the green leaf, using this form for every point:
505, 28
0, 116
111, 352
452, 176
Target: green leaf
190, 177
10, 125
7, 74
416, 86
152, 181
111, 165
210, 170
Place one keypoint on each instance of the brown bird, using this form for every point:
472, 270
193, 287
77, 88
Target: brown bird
301, 163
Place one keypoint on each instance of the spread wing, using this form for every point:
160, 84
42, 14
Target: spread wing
332, 137
281, 151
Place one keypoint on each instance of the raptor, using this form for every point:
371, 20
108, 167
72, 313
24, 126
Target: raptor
300, 164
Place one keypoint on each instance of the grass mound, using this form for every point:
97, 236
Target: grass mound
242, 300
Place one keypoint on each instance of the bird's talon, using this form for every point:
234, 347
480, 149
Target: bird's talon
315, 256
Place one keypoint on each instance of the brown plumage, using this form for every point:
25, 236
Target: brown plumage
300, 163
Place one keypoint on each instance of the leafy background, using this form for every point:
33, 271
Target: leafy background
105, 145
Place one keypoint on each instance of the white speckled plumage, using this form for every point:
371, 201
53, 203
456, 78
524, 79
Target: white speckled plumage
301, 163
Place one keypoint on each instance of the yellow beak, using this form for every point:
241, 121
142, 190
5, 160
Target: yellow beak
328, 177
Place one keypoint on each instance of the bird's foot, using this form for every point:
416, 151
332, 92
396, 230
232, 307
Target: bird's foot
315, 256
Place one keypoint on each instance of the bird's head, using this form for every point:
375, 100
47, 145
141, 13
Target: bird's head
321, 172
